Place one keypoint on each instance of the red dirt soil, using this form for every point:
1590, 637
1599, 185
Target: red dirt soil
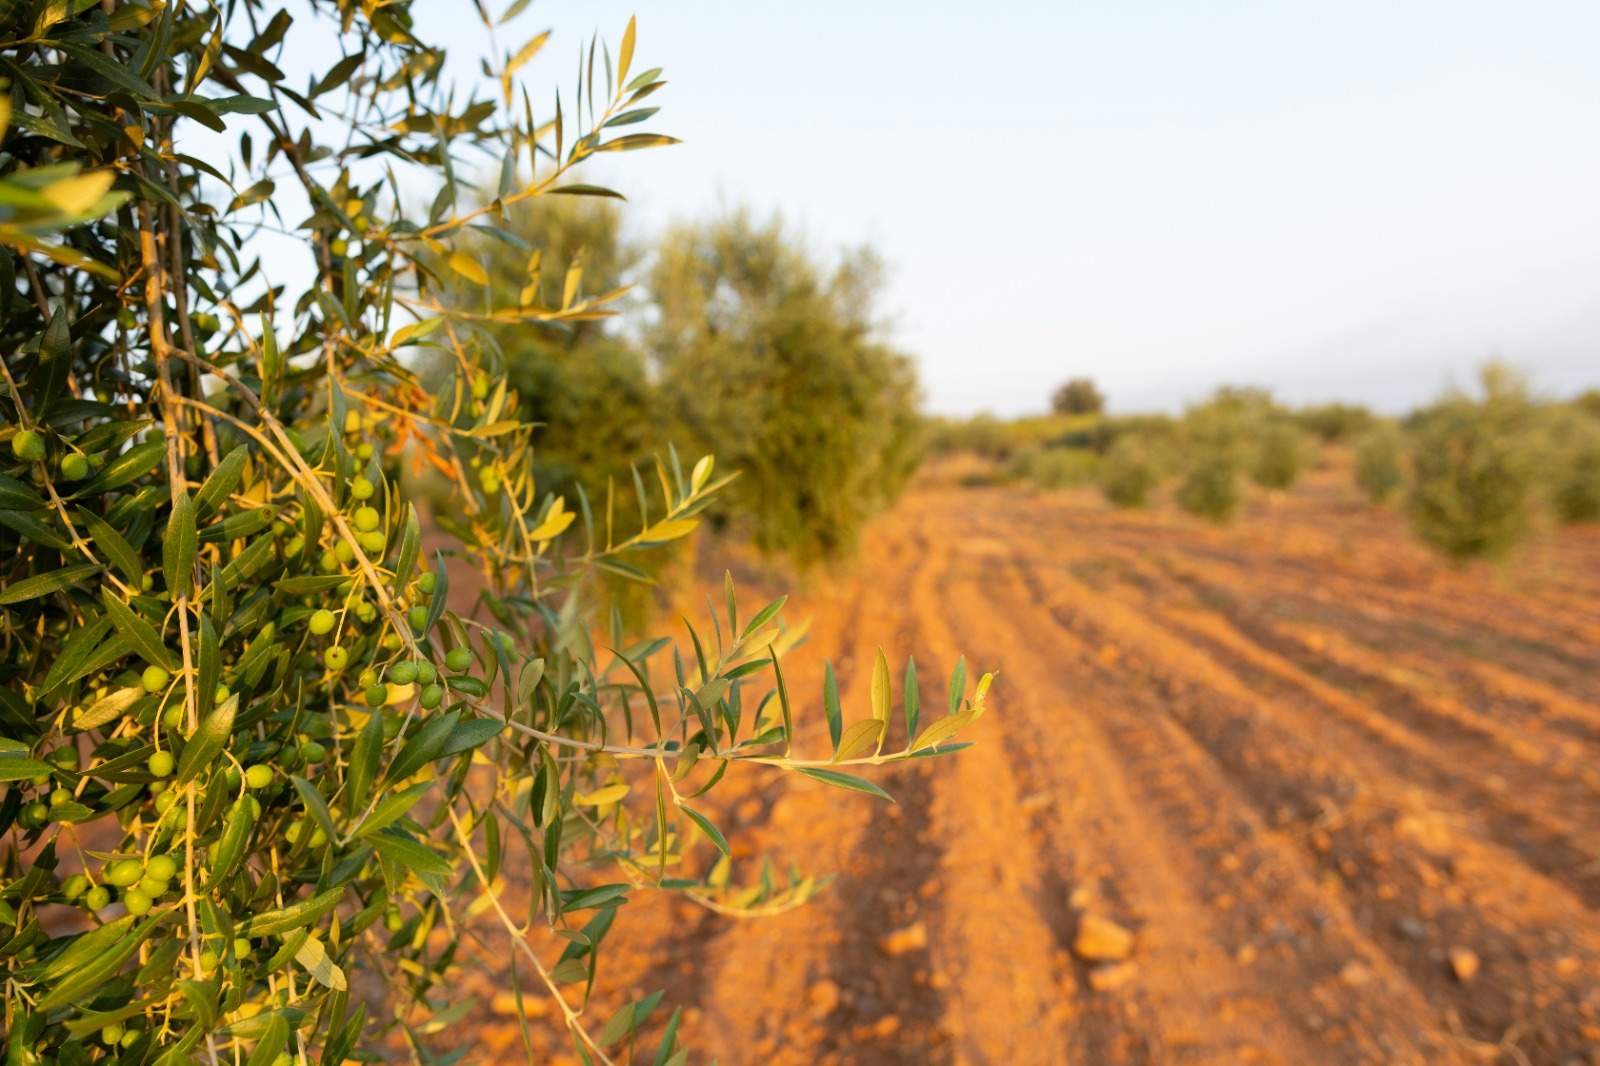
1345, 797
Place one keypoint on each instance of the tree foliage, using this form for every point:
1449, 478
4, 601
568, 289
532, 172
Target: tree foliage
1380, 462
1079, 396
1472, 464
1280, 454
777, 362
1129, 472
247, 747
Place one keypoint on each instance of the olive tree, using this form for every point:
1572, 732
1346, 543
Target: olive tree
248, 749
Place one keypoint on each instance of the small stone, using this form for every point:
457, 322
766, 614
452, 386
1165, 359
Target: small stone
1354, 973
1111, 977
913, 937
1464, 963
824, 997
1101, 940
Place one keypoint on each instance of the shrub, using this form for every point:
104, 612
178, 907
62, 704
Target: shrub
775, 360
1334, 422
1280, 455
1055, 468
1379, 456
247, 748
1472, 468
1576, 466
1129, 473
1210, 488
1079, 396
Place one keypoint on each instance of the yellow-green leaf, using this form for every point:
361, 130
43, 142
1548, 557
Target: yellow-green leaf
468, 267
858, 738
601, 796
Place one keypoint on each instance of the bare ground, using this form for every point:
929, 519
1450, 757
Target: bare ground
1346, 798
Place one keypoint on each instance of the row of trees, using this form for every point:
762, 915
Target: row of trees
735, 339
1475, 472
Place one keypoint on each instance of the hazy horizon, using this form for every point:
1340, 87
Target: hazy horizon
1361, 203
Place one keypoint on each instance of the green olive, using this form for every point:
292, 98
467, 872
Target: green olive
154, 678
361, 488
377, 694
75, 886
321, 622
161, 867
137, 902
458, 659
97, 898
28, 446
431, 696
112, 1033
161, 764
418, 617
336, 657
74, 466
403, 673
367, 518
427, 673
154, 887
425, 582
373, 541
124, 872
258, 776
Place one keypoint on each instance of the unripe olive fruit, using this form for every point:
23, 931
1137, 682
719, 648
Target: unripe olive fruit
64, 757
124, 872
403, 673
111, 1033
364, 450
361, 488
431, 696
427, 673
34, 815
137, 902
352, 420
336, 657
60, 796
425, 582
258, 776
490, 480
208, 960
75, 886
161, 867
367, 518
321, 622
343, 552
391, 641
28, 446
161, 764
97, 897
242, 948
367, 677
418, 617
377, 695
172, 716
154, 887
154, 678
393, 922
329, 561
165, 801
313, 751
458, 659
221, 694
365, 611
74, 466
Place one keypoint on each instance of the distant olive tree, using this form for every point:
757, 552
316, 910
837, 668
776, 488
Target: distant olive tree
1280, 454
1575, 465
1129, 472
1380, 462
1079, 396
1473, 460
779, 361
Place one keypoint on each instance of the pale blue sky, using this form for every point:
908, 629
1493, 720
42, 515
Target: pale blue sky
1360, 200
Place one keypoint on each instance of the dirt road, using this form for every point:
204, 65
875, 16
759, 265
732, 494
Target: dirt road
1346, 800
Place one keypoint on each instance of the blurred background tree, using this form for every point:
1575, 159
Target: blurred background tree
1379, 462
1079, 396
1473, 463
777, 359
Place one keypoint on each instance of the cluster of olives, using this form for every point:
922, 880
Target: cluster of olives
28, 445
